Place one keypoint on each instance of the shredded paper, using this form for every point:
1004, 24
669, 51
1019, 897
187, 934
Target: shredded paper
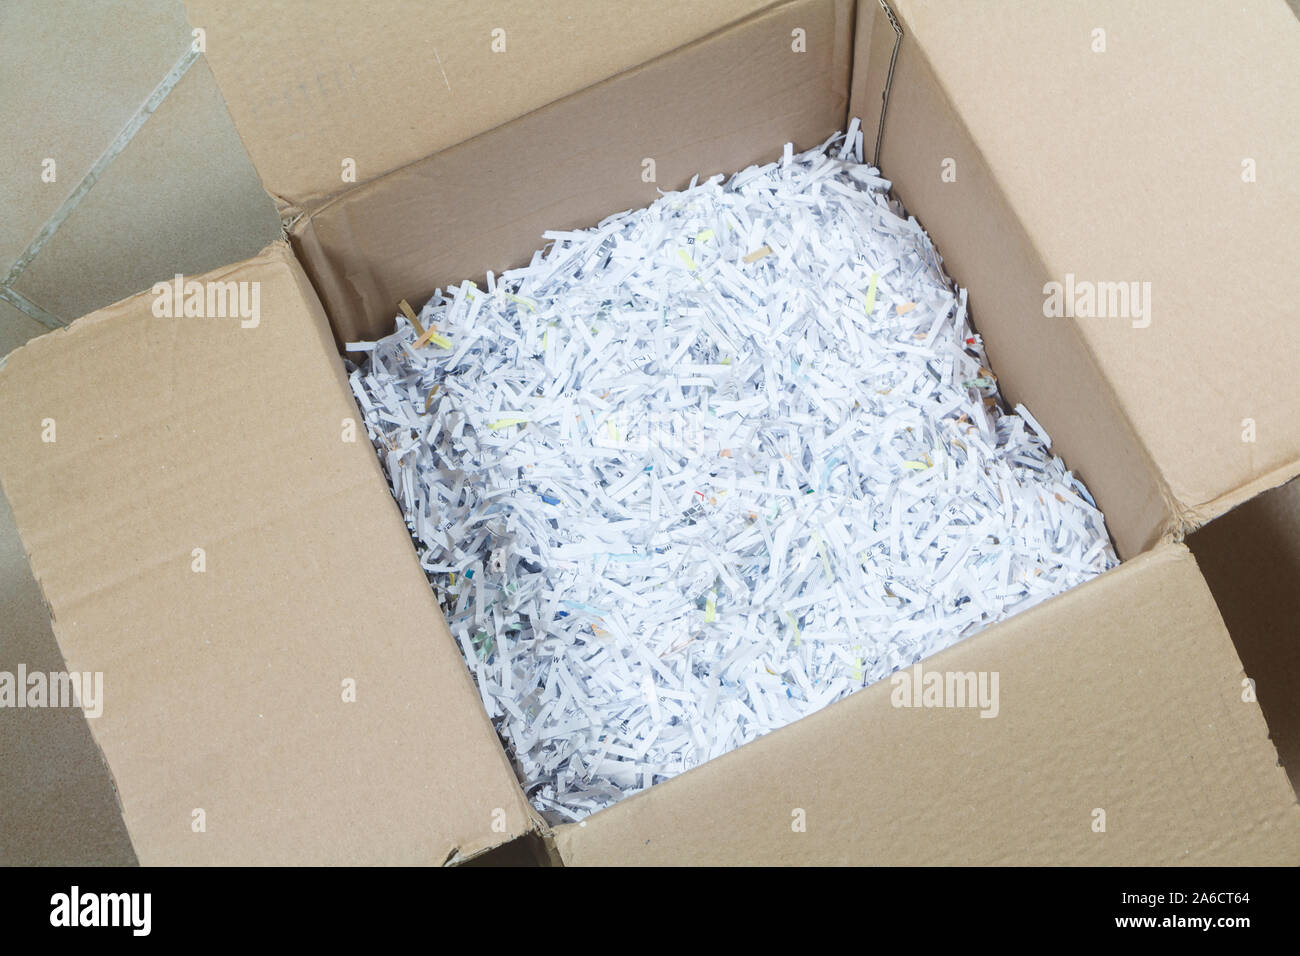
710, 466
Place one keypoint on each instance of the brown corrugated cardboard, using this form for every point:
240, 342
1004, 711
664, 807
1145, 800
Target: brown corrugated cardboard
406, 79
714, 107
224, 680
1122, 696
1148, 143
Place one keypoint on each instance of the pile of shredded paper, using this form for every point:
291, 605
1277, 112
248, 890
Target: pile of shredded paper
709, 467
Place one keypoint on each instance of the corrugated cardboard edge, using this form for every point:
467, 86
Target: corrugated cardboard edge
1192, 517
1185, 775
519, 818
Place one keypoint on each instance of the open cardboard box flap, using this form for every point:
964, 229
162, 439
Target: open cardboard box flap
224, 687
1128, 164
312, 82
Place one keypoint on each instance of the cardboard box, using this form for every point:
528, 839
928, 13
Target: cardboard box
210, 532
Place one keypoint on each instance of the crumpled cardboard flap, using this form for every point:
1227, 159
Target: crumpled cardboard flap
224, 688
1123, 136
1123, 695
312, 82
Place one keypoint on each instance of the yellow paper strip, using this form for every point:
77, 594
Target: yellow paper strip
431, 335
